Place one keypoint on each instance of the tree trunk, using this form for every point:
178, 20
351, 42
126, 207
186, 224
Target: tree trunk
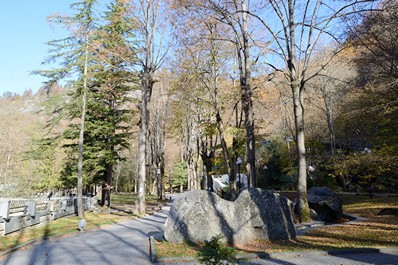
145, 98
208, 167
329, 118
227, 157
80, 210
297, 87
250, 139
302, 207
155, 185
247, 102
204, 185
107, 187
149, 65
161, 189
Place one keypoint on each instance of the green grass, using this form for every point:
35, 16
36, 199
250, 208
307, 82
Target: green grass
376, 231
166, 249
364, 206
129, 199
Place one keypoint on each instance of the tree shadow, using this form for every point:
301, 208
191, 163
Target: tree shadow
348, 238
19, 242
275, 213
226, 229
271, 261
372, 256
13, 247
105, 245
44, 238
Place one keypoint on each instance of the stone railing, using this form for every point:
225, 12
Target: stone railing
17, 214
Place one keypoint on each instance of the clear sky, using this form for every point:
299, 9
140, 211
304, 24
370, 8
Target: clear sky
23, 33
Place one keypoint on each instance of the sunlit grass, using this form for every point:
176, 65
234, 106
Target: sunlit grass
364, 206
167, 249
129, 199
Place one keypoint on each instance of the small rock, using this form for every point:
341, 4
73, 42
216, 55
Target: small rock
389, 211
325, 203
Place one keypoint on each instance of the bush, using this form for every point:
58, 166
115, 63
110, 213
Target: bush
215, 253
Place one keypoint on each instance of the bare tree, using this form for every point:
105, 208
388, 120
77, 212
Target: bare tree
229, 14
151, 59
330, 86
157, 133
235, 15
297, 30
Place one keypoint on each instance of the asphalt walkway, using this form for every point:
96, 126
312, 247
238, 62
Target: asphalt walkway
122, 243
127, 243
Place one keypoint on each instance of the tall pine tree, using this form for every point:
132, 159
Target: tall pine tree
108, 115
74, 56
99, 60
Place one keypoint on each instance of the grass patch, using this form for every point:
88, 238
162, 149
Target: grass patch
126, 202
61, 226
376, 231
167, 249
129, 199
364, 206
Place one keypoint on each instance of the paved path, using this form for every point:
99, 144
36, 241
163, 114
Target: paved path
388, 257
122, 243
127, 243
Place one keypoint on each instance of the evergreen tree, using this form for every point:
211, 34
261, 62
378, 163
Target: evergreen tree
75, 58
108, 116
111, 78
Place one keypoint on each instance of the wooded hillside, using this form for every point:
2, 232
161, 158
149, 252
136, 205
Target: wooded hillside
313, 102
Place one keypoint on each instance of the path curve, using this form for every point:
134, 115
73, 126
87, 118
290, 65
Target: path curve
122, 243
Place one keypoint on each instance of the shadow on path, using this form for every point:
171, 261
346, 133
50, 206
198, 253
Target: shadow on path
373, 256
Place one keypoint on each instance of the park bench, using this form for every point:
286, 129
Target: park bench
16, 214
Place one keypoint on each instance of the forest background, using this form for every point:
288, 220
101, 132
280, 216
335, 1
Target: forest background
194, 63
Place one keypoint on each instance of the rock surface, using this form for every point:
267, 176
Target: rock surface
199, 215
326, 204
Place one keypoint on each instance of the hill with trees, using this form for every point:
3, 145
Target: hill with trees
307, 100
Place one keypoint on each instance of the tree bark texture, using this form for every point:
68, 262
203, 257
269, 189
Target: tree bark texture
302, 207
146, 88
247, 94
80, 210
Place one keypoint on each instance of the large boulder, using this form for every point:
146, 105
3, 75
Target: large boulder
197, 216
326, 204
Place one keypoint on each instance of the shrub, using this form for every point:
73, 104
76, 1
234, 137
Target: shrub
215, 253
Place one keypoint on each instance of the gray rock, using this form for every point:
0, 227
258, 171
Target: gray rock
388, 211
314, 215
199, 215
326, 203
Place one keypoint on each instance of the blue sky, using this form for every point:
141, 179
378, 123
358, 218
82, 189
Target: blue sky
23, 34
